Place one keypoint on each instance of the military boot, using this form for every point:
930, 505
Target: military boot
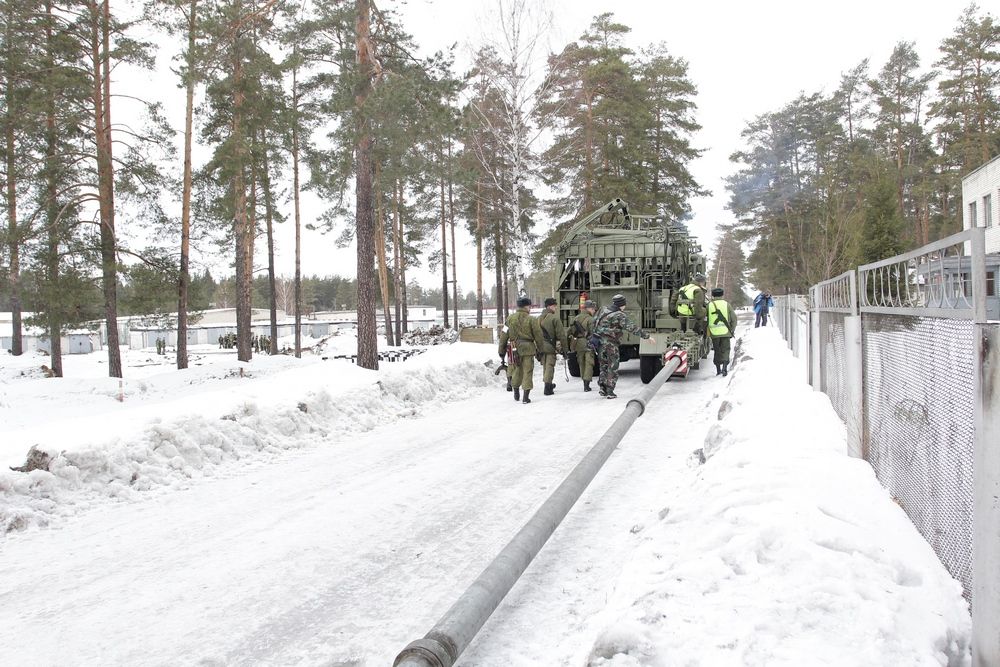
611, 393
586, 385
526, 399
603, 391
548, 390
718, 369
725, 369
509, 387
517, 393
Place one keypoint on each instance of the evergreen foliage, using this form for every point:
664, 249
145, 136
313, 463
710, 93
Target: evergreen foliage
813, 183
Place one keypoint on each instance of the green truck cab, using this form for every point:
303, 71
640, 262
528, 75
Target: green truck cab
647, 259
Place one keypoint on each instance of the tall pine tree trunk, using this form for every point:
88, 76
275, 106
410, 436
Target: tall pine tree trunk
364, 207
298, 219
383, 273
269, 222
451, 221
479, 253
501, 308
100, 53
397, 245
52, 208
444, 242
184, 279
242, 230
13, 240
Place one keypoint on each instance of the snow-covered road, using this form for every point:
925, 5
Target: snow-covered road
341, 550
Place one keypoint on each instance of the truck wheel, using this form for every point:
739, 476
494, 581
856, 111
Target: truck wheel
573, 365
649, 366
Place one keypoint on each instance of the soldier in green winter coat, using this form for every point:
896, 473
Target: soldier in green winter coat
579, 334
525, 338
553, 343
721, 327
505, 361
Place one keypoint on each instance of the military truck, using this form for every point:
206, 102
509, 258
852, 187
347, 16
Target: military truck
647, 259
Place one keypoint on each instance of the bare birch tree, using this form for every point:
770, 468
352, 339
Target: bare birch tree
518, 80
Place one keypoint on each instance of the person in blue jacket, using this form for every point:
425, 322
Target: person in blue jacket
762, 305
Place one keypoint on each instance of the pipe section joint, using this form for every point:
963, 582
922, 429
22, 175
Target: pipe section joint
423, 652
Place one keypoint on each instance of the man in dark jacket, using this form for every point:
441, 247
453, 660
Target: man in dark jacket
525, 338
609, 327
762, 305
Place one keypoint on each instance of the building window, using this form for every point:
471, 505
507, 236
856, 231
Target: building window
972, 215
991, 289
987, 211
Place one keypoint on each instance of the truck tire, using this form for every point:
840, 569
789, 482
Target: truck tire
649, 366
574, 367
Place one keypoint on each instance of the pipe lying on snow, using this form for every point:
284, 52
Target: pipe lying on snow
454, 631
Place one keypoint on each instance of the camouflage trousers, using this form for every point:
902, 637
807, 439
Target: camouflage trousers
609, 357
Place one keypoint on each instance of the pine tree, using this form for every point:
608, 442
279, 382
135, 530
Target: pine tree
234, 30
19, 51
727, 269
966, 111
900, 92
667, 151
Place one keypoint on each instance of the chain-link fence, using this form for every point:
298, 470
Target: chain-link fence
918, 409
903, 349
918, 369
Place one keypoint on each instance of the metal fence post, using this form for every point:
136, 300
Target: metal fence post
986, 472
854, 388
814, 342
986, 502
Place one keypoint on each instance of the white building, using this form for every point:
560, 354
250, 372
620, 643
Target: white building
981, 202
981, 208
34, 339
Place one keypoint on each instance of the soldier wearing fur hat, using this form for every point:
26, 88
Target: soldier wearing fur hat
553, 343
721, 328
609, 327
580, 330
525, 338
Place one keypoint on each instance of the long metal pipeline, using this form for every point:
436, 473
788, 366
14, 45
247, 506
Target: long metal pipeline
454, 631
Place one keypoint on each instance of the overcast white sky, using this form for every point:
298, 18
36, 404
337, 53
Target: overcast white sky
746, 58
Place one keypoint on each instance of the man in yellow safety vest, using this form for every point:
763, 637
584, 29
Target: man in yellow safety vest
721, 328
691, 305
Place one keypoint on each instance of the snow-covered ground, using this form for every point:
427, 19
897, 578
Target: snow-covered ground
309, 512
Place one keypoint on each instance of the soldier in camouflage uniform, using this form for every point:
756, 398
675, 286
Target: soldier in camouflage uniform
580, 331
525, 337
554, 342
609, 327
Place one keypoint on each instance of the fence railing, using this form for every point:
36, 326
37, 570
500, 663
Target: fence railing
903, 349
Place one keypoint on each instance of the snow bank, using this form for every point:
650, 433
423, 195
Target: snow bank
238, 418
781, 549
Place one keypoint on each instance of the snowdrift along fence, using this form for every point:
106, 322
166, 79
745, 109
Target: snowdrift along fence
455, 630
910, 362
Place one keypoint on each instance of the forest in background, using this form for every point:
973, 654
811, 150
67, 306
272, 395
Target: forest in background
327, 96
331, 97
832, 180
